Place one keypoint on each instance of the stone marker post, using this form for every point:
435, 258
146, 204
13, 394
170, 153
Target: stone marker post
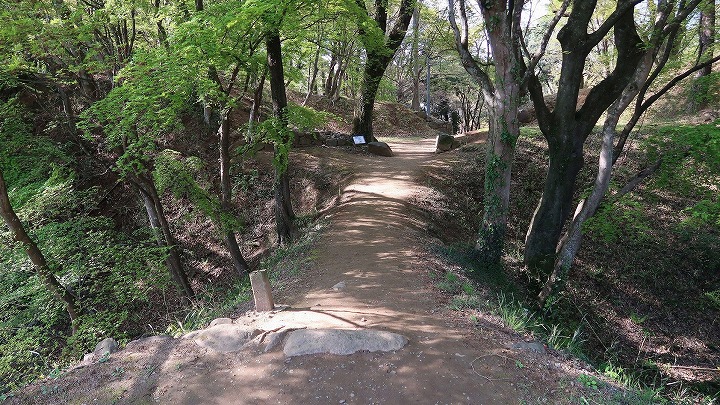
261, 291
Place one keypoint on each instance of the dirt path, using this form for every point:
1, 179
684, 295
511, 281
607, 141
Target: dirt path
373, 245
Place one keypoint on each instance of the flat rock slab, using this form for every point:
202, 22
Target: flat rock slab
341, 341
225, 338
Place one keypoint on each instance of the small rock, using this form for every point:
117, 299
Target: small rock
339, 286
220, 321
380, 149
534, 346
147, 344
274, 340
444, 143
89, 358
107, 345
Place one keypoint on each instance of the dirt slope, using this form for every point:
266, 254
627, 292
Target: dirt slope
375, 244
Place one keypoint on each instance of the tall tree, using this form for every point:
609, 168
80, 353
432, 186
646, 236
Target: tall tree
380, 46
566, 127
502, 96
706, 39
416, 67
657, 50
706, 34
284, 215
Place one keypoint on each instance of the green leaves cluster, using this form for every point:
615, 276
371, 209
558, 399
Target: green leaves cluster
110, 272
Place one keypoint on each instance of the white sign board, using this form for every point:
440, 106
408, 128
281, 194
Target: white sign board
359, 140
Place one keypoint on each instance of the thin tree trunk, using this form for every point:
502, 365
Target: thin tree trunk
415, 104
338, 79
36, 256
313, 75
158, 221
284, 215
162, 33
331, 73
257, 102
239, 261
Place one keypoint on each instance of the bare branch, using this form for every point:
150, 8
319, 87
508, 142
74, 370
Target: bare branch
470, 64
535, 59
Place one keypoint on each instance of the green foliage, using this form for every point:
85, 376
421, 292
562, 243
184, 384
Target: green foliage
211, 304
279, 132
451, 284
626, 218
110, 273
178, 175
690, 167
714, 298
588, 381
705, 90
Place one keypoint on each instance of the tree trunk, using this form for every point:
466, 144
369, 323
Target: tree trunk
503, 99
377, 61
284, 215
372, 75
504, 131
36, 256
554, 207
313, 75
570, 244
239, 261
257, 101
707, 35
158, 221
705, 51
566, 128
331, 73
415, 104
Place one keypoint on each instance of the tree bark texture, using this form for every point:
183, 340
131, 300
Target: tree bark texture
284, 215
415, 104
36, 256
707, 35
257, 102
651, 64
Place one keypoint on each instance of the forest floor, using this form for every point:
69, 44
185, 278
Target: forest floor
377, 244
